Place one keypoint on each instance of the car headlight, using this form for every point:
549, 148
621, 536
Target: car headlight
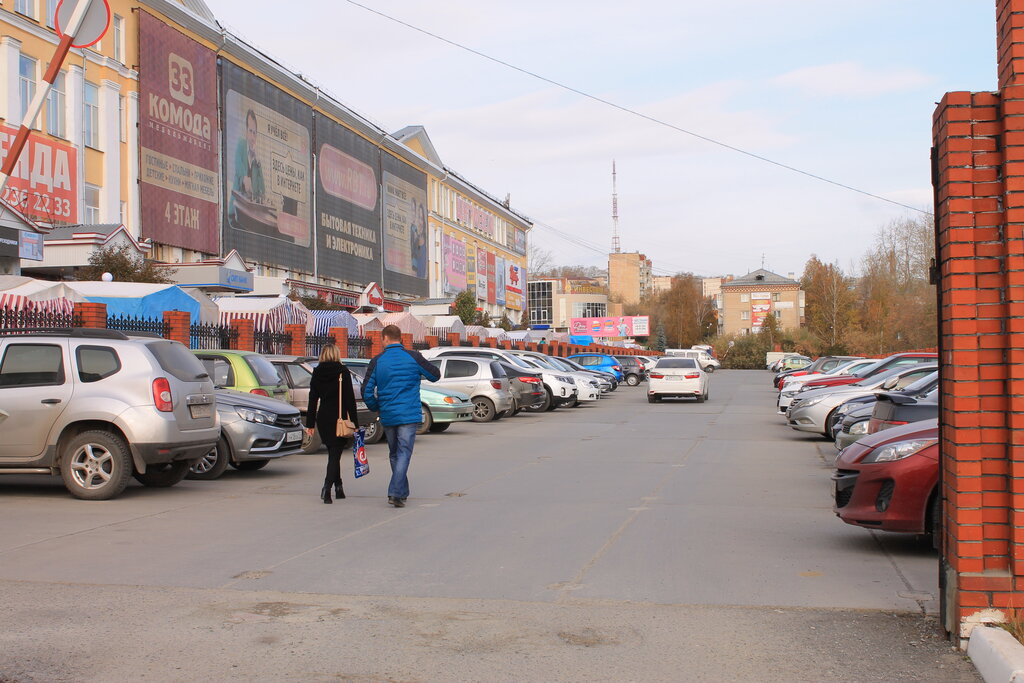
451, 400
567, 380
810, 401
859, 427
899, 450
258, 416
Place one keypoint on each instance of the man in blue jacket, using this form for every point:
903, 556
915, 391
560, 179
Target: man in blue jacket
392, 388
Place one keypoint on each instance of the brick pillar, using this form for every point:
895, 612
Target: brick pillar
474, 340
340, 335
88, 314
507, 344
179, 326
454, 338
979, 215
376, 342
246, 339
432, 340
407, 340
297, 343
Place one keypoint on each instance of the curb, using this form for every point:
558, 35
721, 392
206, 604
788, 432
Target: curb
997, 655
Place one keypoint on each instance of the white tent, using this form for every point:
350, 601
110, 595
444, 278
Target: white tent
477, 331
408, 324
443, 325
494, 333
269, 313
368, 322
25, 293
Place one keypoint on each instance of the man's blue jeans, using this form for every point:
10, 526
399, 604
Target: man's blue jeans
400, 441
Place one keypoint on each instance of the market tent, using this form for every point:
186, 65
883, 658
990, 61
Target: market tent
477, 331
581, 339
494, 333
208, 311
268, 313
138, 299
408, 324
368, 322
323, 321
25, 293
443, 325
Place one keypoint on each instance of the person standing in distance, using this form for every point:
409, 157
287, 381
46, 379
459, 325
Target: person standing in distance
326, 405
392, 388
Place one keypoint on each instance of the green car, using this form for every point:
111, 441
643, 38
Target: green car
440, 407
243, 371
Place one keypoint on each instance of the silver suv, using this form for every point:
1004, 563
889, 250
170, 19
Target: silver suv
484, 380
98, 407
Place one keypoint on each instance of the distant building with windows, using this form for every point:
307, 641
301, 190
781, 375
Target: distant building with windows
555, 301
747, 301
629, 277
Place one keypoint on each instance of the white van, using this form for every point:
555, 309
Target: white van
707, 363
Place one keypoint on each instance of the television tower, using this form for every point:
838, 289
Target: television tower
616, 247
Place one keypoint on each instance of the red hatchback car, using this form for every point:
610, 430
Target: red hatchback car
889, 480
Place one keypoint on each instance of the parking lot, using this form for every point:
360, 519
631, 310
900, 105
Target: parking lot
619, 540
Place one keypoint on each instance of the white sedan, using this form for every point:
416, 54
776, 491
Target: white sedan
677, 377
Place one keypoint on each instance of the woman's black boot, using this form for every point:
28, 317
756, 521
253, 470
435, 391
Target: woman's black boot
326, 494
339, 490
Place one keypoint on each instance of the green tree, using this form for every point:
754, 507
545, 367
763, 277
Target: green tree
659, 340
465, 307
505, 323
125, 265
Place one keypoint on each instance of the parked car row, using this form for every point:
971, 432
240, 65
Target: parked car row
881, 414
100, 406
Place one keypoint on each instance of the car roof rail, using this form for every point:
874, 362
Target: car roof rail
89, 332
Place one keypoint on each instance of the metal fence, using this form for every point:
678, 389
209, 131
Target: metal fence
13, 321
444, 341
420, 346
465, 342
271, 342
210, 336
315, 343
131, 323
359, 347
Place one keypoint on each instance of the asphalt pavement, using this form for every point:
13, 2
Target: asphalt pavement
618, 541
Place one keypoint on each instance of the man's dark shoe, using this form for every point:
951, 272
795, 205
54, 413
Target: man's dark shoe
392, 501
399, 502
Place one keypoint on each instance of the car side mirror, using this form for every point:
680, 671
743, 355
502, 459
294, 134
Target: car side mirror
890, 383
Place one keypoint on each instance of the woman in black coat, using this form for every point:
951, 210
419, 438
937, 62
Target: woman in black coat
322, 413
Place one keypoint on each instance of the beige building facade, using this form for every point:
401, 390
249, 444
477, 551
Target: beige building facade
747, 302
629, 277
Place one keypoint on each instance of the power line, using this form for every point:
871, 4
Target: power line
634, 112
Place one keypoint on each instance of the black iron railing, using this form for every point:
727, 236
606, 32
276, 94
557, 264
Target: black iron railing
315, 343
210, 336
14, 322
444, 341
359, 347
131, 323
420, 346
271, 343
465, 342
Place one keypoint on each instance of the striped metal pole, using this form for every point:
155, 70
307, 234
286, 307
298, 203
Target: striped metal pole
36, 105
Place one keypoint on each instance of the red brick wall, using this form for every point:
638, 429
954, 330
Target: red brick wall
979, 183
88, 314
179, 325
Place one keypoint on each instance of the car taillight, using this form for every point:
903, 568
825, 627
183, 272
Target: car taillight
162, 395
259, 392
694, 375
876, 425
657, 375
616, 367
529, 380
496, 383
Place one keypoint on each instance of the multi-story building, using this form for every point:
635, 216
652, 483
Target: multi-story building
629, 277
201, 145
748, 300
555, 301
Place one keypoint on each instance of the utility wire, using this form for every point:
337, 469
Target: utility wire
634, 112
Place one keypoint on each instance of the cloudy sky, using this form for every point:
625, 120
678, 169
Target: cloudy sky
841, 90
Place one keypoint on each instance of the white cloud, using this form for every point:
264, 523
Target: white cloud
853, 80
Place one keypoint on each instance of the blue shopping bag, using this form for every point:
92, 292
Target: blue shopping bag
359, 452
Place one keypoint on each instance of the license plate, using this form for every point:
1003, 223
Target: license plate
293, 436
201, 410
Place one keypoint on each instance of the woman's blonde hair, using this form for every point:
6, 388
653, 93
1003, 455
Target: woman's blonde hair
330, 354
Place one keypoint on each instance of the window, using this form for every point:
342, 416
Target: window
459, 368
26, 7
744, 315
589, 310
51, 13
92, 204
96, 363
26, 83
776, 296
92, 115
777, 314
219, 369
32, 365
56, 108
119, 38
744, 298
122, 118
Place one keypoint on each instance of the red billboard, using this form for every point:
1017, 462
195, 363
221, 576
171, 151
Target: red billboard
492, 279
44, 182
179, 137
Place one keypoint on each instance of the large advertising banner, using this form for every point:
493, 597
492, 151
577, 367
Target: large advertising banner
514, 285
628, 326
268, 189
347, 204
179, 170
44, 182
500, 267
453, 254
404, 226
471, 267
760, 308
492, 280
481, 274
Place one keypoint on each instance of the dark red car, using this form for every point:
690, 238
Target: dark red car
894, 361
889, 480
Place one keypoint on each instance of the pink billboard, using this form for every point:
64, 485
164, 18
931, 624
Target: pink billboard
628, 326
178, 136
